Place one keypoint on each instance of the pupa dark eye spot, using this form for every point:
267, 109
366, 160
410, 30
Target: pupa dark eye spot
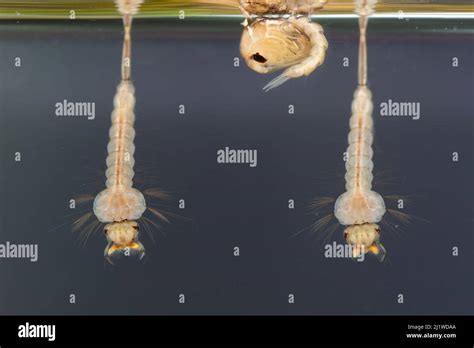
135, 227
259, 58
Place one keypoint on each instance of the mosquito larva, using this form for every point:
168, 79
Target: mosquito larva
120, 205
295, 44
359, 207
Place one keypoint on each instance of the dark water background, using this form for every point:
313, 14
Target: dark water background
299, 156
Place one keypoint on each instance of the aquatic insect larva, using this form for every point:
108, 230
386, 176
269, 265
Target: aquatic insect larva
120, 205
359, 207
295, 44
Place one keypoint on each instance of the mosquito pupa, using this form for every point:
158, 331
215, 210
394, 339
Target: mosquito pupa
295, 44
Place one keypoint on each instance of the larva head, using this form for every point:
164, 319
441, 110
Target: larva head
270, 45
365, 238
123, 241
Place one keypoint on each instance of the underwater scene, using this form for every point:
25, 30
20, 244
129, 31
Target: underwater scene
300, 157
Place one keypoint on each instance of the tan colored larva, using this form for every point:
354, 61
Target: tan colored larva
359, 207
119, 205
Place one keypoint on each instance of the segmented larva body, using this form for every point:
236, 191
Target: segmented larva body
121, 148
359, 163
120, 201
359, 204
